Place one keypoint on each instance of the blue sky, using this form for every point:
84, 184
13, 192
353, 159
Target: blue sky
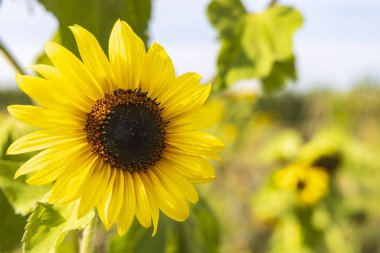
339, 43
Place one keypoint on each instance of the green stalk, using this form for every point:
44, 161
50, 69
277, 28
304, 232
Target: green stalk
88, 234
11, 59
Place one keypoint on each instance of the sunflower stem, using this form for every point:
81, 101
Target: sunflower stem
87, 238
10, 58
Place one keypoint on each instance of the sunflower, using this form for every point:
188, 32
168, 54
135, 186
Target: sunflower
120, 134
309, 184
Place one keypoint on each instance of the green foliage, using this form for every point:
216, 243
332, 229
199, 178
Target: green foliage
10, 130
12, 96
200, 233
21, 195
11, 226
254, 45
282, 71
48, 225
98, 17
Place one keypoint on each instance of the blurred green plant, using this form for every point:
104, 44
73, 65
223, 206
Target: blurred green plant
254, 45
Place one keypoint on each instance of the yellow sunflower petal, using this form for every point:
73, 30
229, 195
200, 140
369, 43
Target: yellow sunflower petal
126, 216
52, 97
174, 206
43, 139
157, 61
196, 143
73, 70
153, 201
117, 198
35, 163
41, 117
199, 119
143, 210
68, 187
98, 180
105, 200
58, 82
186, 96
47, 174
195, 168
176, 182
94, 57
59, 161
127, 55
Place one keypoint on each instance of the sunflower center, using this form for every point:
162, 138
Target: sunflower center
126, 129
301, 185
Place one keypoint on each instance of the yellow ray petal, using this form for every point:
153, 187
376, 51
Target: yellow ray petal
52, 97
196, 143
157, 61
128, 210
153, 201
127, 55
43, 139
105, 200
116, 198
59, 161
196, 120
58, 81
68, 187
176, 183
35, 163
195, 168
73, 70
173, 205
98, 180
43, 118
143, 210
94, 58
186, 95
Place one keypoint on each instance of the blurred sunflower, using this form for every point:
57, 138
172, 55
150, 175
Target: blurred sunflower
121, 134
309, 184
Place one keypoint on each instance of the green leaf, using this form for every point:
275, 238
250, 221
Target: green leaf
200, 233
48, 225
21, 195
282, 72
254, 45
11, 226
10, 130
6, 135
227, 16
70, 243
99, 17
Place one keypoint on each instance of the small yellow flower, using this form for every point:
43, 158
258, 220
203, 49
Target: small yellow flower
309, 184
120, 133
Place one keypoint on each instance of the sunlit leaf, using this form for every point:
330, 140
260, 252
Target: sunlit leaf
48, 225
254, 45
21, 195
227, 16
10, 130
70, 243
11, 226
281, 72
